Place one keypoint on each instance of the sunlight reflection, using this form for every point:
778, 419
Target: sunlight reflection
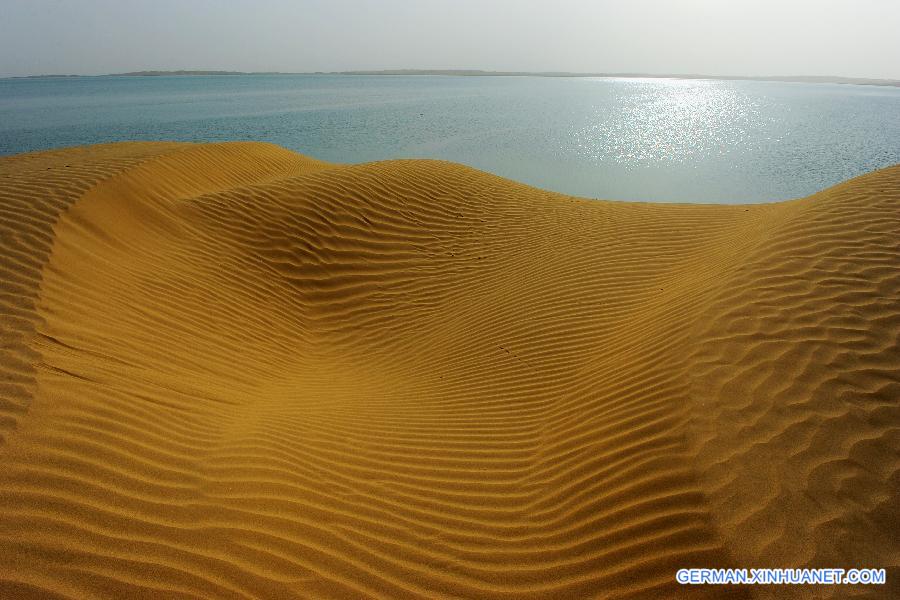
669, 121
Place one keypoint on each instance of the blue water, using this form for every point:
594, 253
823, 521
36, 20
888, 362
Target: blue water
667, 140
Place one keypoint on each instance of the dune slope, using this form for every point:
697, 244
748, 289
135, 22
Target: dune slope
231, 371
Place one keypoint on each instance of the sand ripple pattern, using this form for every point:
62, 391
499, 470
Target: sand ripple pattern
231, 371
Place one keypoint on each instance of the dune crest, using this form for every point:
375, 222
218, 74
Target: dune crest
231, 371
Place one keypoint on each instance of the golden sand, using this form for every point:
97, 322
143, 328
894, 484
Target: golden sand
230, 371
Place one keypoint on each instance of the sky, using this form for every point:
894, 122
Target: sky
851, 38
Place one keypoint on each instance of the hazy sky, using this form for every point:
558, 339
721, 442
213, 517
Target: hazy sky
746, 37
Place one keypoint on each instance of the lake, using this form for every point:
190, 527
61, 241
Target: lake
627, 139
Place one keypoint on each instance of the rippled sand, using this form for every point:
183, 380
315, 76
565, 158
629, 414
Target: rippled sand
231, 371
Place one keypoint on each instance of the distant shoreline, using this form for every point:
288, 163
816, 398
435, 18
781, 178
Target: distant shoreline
480, 73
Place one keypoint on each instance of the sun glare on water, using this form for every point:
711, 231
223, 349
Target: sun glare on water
668, 121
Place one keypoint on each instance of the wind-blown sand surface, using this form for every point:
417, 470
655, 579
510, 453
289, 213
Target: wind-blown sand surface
231, 371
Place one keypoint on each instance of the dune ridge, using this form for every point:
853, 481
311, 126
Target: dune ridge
232, 371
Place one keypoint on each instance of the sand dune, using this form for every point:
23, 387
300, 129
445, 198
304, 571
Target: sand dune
230, 371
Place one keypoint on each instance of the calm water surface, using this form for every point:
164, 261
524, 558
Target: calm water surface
665, 140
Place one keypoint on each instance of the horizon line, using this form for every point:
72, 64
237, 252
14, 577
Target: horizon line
488, 73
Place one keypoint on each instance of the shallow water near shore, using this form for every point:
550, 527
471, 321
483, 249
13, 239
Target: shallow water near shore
628, 139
